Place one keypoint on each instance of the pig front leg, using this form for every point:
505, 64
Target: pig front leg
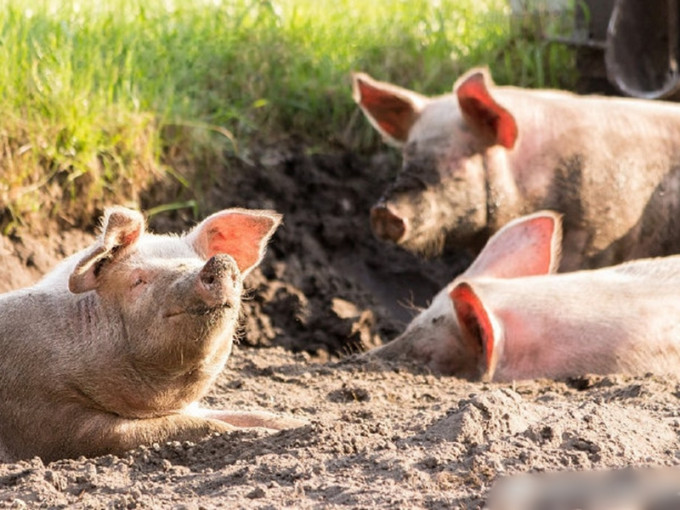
104, 434
107, 434
249, 419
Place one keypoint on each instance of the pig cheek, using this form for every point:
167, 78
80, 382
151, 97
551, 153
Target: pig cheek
463, 210
451, 358
445, 351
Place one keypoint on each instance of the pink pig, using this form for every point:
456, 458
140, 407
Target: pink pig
483, 155
509, 317
114, 347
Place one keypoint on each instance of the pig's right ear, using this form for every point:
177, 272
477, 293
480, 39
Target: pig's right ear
482, 111
479, 328
121, 229
530, 245
240, 233
390, 109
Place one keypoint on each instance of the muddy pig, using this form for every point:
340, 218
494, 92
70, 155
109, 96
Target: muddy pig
509, 317
114, 347
485, 154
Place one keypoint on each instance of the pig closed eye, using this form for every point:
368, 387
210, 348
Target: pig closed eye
138, 281
408, 181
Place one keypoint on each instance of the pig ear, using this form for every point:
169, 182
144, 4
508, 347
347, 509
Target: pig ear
241, 233
530, 245
482, 111
121, 229
390, 109
478, 327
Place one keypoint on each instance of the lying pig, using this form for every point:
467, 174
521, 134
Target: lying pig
475, 159
113, 348
508, 317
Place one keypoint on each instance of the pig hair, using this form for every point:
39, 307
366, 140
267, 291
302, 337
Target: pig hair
432, 247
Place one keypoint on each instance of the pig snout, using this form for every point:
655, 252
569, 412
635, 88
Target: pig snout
386, 223
218, 281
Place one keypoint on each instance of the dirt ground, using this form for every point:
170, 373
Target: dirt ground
379, 435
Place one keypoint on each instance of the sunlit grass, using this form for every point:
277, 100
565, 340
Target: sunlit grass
93, 93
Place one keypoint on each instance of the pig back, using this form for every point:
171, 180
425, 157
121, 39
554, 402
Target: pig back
610, 320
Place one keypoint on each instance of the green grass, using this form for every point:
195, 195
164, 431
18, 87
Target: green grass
97, 96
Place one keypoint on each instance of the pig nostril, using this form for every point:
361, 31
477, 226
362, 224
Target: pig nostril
386, 224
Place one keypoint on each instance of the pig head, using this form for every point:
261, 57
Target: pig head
509, 317
113, 348
478, 157
526, 246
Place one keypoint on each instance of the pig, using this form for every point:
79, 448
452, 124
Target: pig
114, 347
478, 157
509, 316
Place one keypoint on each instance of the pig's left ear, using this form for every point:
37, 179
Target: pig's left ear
478, 326
121, 229
240, 233
390, 109
482, 111
527, 246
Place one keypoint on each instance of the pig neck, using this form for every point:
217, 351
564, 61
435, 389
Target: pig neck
503, 195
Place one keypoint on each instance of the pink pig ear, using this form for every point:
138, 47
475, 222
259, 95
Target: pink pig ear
483, 112
390, 109
530, 245
121, 229
241, 233
477, 327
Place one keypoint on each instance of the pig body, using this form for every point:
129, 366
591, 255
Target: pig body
113, 348
483, 155
508, 317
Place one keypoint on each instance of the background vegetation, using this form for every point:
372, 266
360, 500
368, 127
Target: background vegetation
100, 98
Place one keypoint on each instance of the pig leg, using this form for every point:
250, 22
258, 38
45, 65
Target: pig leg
249, 419
103, 434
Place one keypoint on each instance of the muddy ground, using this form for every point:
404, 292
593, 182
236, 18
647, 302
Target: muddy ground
379, 435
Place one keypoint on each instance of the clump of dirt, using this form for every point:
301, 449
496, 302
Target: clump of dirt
380, 435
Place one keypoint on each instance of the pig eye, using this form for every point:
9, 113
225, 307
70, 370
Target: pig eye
138, 281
